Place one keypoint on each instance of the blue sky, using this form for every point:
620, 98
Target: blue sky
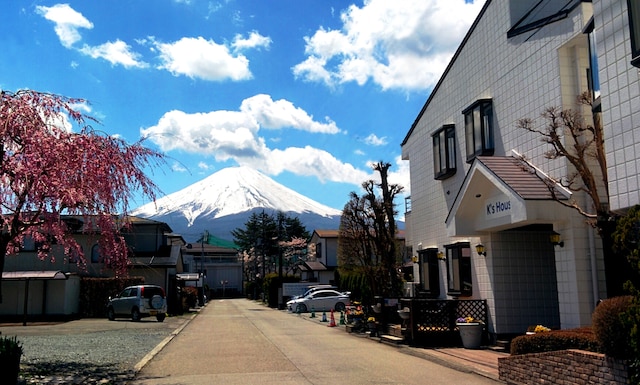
308, 92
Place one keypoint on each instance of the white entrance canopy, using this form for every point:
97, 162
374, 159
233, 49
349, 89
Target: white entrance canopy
502, 192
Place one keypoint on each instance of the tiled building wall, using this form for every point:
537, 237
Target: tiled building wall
620, 86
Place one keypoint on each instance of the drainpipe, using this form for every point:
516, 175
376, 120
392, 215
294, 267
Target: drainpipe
594, 266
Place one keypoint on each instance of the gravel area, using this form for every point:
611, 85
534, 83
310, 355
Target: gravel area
88, 351
95, 358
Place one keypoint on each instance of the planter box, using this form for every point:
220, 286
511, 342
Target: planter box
471, 334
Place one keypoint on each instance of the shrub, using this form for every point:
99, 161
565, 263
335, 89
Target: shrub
609, 327
189, 297
10, 347
580, 338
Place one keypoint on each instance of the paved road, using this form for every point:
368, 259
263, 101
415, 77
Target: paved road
242, 342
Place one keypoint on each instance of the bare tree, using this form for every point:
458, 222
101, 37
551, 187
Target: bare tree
367, 237
582, 144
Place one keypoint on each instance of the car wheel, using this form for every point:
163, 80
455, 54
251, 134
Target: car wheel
111, 315
135, 314
340, 307
160, 317
301, 308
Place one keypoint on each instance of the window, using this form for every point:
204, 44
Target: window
633, 7
459, 269
95, 254
478, 128
593, 71
429, 272
444, 152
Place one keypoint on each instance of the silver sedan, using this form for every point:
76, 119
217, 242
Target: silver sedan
320, 300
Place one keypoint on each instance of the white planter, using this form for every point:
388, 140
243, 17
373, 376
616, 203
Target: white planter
471, 334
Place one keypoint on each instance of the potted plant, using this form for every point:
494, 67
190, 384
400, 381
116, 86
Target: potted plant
373, 328
470, 332
10, 352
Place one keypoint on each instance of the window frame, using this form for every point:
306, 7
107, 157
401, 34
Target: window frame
479, 129
429, 272
95, 254
459, 276
444, 152
633, 9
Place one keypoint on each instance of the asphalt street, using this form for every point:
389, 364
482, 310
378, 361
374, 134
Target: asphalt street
243, 342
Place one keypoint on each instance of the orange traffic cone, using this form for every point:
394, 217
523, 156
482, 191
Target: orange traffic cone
333, 320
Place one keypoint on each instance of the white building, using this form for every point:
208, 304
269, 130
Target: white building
519, 58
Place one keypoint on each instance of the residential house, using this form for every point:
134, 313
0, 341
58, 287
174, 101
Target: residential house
51, 287
219, 268
323, 264
479, 180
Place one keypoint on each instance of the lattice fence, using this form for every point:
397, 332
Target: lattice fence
433, 321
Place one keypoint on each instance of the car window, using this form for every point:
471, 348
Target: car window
125, 293
150, 291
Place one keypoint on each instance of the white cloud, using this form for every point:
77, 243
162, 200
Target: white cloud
397, 45
203, 59
283, 114
234, 135
117, 52
374, 140
255, 40
203, 166
67, 22
178, 167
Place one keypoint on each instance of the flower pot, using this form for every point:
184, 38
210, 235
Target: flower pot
471, 334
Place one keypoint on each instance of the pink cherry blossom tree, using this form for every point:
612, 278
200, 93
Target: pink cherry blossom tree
53, 164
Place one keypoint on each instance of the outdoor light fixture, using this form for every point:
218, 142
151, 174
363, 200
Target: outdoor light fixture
414, 259
481, 250
555, 239
441, 256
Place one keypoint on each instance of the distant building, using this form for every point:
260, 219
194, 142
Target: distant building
52, 288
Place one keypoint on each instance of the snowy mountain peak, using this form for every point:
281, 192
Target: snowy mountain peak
228, 192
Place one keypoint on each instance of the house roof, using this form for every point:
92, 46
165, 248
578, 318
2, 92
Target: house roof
312, 266
24, 275
326, 233
400, 234
523, 178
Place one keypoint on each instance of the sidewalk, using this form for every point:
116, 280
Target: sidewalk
483, 361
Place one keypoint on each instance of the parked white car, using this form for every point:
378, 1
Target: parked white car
320, 300
137, 302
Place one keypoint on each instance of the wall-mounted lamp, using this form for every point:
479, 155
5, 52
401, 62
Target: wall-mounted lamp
414, 259
481, 250
441, 256
554, 238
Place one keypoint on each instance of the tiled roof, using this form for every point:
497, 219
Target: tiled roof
519, 176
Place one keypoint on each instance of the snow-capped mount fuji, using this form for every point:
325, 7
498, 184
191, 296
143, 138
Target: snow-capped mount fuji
225, 200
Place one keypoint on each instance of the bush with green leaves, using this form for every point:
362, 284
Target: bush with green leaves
579, 338
609, 327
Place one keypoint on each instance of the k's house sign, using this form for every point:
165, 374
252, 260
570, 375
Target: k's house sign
498, 206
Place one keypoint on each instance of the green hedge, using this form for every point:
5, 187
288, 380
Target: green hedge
95, 293
581, 338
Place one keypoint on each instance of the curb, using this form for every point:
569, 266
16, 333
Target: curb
145, 360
